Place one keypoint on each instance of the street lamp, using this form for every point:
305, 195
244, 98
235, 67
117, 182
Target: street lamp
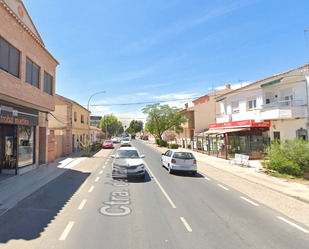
89, 111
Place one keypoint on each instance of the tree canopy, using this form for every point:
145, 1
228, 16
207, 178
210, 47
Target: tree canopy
135, 126
110, 124
163, 118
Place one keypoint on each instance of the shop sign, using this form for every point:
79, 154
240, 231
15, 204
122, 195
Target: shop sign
17, 116
241, 123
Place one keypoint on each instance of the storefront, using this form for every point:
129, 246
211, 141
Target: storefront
240, 137
17, 138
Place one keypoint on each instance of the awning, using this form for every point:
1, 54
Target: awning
226, 130
233, 130
271, 83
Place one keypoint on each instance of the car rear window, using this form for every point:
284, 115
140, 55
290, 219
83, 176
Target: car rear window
183, 155
107, 141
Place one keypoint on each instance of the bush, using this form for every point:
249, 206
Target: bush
290, 157
157, 141
96, 146
163, 143
174, 146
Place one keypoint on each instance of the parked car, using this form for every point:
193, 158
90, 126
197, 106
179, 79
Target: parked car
125, 141
115, 139
144, 137
108, 144
179, 160
128, 163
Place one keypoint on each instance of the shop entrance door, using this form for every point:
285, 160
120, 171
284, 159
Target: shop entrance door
8, 147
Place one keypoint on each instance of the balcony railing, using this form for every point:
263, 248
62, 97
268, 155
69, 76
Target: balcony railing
283, 103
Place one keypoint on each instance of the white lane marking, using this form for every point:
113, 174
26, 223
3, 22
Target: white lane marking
66, 231
105, 162
97, 179
207, 178
103, 167
101, 172
91, 189
293, 224
253, 203
186, 224
82, 204
166, 195
222, 187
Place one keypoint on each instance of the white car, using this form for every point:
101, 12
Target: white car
125, 141
179, 160
128, 163
115, 139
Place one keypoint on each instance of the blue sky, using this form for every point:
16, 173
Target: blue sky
147, 51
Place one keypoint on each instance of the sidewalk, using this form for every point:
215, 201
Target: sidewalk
14, 188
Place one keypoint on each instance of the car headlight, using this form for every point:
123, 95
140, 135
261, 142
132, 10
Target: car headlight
116, 166
141, 166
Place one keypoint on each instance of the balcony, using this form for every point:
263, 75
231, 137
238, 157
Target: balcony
284, 110
224, 117
283, 103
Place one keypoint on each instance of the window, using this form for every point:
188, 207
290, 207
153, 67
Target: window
251, 102
82, 119
32, 73
9, 58
235, 106
48, 81
75, 117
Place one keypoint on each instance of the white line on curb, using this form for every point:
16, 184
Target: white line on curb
97, 179
186, 224
293, 224
253, 203
91, 189
66, 231
101, 172
222, 187
82, 204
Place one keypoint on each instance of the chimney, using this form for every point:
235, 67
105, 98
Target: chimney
186, 105
228, 86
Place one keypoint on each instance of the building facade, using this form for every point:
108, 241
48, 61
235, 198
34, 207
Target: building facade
200, 116
250, 117
60, 127
27, 92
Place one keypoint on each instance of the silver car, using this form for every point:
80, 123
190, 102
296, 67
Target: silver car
128, 163
125, 141
179, 160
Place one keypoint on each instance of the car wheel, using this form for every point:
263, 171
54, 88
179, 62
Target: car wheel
170, 171
193, 173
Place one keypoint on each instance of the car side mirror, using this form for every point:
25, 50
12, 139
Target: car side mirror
142, 156
113, 156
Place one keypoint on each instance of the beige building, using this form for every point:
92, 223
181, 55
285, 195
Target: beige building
27, 91
60, 127
200, 115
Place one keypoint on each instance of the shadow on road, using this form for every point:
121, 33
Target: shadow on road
32, 215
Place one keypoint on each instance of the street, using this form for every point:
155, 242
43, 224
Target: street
86, 208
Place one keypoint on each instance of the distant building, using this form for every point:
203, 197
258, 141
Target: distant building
95, 121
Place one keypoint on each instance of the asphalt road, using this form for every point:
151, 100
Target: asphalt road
86, 208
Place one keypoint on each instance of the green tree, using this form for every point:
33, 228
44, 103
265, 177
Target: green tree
110, 124
163, 118
135, 126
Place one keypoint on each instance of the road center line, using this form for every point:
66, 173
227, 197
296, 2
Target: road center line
91, 189
97, 179
186, 224
166, 195
222, 187
66, 231
82, 204
101, 172
253, 203
293, 224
